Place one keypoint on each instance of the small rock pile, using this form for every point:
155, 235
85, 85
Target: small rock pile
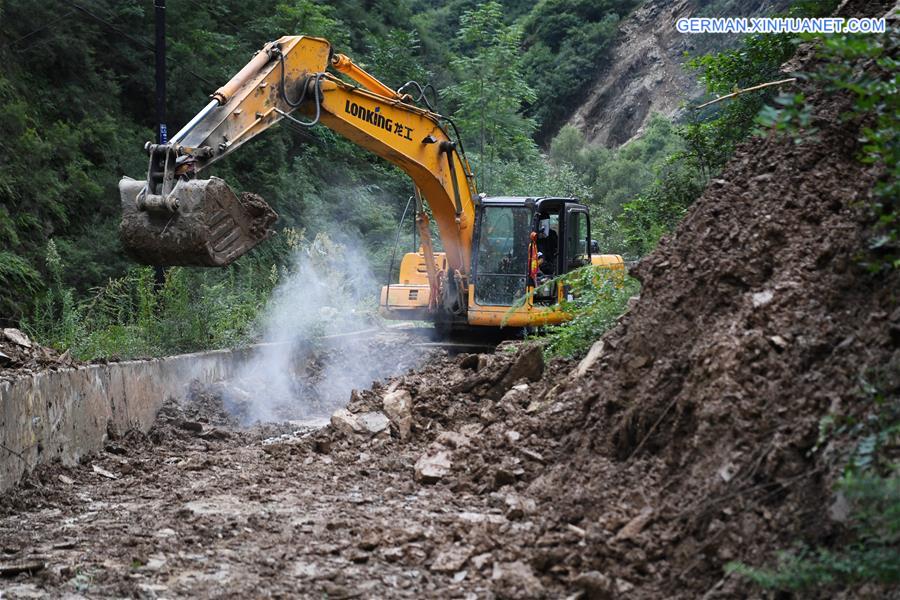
19, 356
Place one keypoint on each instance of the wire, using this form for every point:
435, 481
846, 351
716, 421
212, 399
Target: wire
126, 35
422, 96
387, 296
294, 104
36, 31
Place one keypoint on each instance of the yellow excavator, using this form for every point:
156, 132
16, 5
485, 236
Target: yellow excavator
495, 250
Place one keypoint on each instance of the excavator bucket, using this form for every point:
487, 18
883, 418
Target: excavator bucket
200, 222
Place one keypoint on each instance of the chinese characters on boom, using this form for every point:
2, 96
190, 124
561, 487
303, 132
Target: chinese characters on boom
378, 120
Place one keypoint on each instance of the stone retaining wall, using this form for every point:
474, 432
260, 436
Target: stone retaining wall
64, 415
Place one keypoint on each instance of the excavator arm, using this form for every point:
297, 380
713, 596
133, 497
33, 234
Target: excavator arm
174, 218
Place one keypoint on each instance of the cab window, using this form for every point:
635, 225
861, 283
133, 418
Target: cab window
577, 240
502, 262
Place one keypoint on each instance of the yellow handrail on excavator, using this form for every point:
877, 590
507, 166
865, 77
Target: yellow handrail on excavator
174, 218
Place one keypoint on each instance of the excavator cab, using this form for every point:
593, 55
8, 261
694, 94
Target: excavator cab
526, 243
520, 248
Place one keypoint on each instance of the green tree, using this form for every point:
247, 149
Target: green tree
491, 92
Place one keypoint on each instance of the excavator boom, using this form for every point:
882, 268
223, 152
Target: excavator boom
172, 218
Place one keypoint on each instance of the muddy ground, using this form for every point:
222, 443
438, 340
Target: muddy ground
202, 507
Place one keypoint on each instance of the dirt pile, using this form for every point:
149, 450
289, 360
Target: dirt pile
756, 320
19, 355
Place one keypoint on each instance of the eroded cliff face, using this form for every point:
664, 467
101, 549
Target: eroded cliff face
645, 73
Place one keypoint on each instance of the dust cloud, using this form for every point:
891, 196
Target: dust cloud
308, 365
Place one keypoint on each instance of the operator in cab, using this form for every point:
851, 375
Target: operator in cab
547, 245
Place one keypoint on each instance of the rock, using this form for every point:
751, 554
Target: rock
372, 422
5, 359
397, 405
779, 342
527, 364
215, 434
26, 566
482, 560
727, 471
469, 361
451, 560
840, 508
155, 562
516, 580
588, 361
540, 405
191, 426
432, 467
65, 358
595, 585
357, 401
634, 526
17, 337
517, 394
517, 506
369, 542
512, 436
392, 554
345, 422
101, 471
453, 440
503, 477
762, 298
478, 518
304, 570
638, 362
535, 456
66, 480
471, 429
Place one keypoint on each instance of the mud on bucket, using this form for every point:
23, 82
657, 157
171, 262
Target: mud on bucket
201, 222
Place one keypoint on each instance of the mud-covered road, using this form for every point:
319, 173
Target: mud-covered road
237, 517
201, 506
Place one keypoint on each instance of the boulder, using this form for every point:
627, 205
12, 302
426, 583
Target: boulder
433, 466
345, 422
397, 405
372, 422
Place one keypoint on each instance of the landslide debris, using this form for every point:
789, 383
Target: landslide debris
20, 355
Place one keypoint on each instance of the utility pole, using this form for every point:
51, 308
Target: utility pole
162, 134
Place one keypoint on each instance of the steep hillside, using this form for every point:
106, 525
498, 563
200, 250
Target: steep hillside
645, 73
